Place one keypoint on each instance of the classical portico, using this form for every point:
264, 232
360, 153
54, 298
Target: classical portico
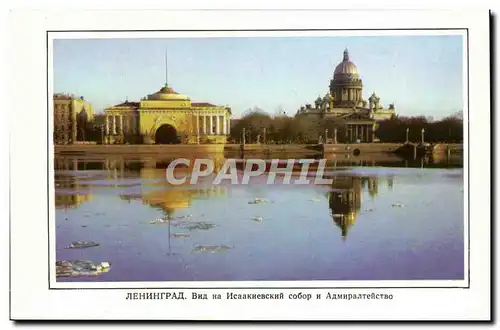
210, 123
120, 123
359, 127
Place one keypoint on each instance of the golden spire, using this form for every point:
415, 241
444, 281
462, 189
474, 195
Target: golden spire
166, 67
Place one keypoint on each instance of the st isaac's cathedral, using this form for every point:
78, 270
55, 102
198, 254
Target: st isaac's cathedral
344, 102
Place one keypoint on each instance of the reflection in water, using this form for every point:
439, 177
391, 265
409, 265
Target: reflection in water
70, 200
171, 200
69, 192
345, 202
345, 198
343, 209
126, 195
393, 160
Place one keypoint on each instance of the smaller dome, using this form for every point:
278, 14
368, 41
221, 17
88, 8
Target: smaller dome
167, 90
167, 93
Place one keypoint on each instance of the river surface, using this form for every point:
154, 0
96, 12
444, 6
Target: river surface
378, 220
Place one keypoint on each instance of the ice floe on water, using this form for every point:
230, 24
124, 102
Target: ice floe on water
72, 268
258, 201
82, 244
180, 235
258, 219
197, 226
212, 248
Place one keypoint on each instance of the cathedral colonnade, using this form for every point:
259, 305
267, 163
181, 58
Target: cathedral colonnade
360, 131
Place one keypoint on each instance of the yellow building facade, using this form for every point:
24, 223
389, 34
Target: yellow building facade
71, 115
166, 117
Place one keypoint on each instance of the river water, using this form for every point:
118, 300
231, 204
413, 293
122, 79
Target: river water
383, 219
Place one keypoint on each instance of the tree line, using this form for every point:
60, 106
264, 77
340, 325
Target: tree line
448, 129
261, 127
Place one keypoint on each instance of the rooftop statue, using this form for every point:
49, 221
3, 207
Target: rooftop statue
317, 103
374, 101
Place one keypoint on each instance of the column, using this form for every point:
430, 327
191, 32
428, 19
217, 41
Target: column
65, 134
224, 125
114, 125
211, 129
217, 125
134, 124
128, 123
363, 133
121, 125
107, 125
228, 126
204, 124
73, 126
197, 128
356, 132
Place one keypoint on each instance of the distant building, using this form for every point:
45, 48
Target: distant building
71, 116
344, 101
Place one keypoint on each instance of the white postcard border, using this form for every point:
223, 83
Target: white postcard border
29, 249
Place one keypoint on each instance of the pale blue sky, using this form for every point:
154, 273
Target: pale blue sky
422, 75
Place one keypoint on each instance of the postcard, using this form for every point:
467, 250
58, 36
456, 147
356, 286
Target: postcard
232, 165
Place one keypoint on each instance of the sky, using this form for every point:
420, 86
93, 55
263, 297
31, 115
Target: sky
421, 75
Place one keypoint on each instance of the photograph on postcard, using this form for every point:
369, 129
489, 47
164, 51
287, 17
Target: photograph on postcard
261, 158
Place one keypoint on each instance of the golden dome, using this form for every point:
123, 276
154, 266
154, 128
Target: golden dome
346, 66
167, 93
